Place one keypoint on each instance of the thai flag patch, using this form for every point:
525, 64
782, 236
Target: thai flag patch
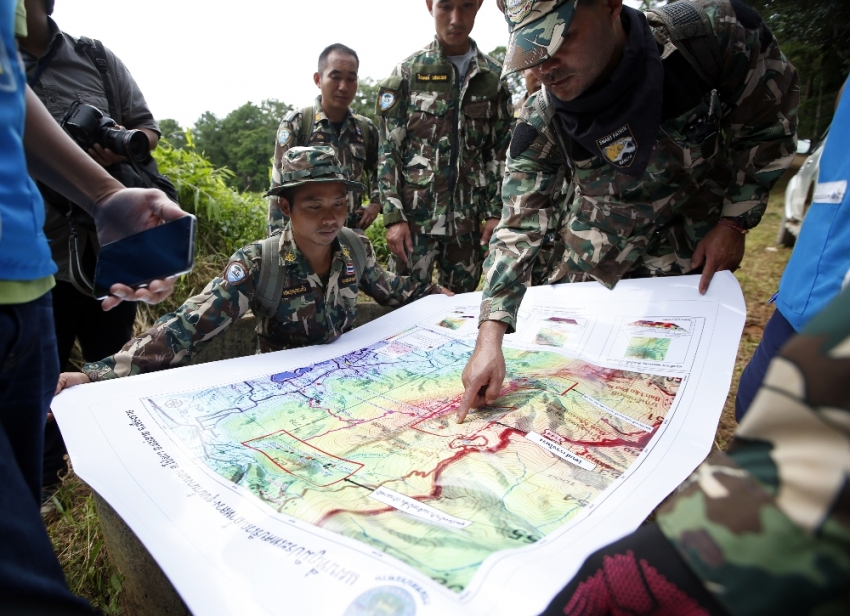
349, 269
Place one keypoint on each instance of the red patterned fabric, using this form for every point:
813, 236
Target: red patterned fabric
626, 587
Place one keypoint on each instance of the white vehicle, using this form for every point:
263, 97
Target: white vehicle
798, 198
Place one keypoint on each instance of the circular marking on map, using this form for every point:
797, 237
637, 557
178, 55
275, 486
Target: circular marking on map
173, 404
383, 601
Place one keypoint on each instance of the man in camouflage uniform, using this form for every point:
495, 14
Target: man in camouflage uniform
331, 121
318, 294
444, 126
763, 529
672, 152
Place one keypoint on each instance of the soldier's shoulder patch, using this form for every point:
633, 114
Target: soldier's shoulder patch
348, 280
235, 273
284, 135
524, 135
619, 148
387, 99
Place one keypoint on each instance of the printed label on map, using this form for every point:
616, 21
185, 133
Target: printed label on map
560, 451
617, 414
415, 508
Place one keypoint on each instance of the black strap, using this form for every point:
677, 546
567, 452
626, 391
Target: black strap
93, 48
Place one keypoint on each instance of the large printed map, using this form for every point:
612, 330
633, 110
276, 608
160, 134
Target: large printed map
366, 445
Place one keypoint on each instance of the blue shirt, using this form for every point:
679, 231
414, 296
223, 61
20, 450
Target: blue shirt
24, 252
821, 257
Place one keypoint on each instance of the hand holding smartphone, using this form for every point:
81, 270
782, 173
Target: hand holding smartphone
162, 251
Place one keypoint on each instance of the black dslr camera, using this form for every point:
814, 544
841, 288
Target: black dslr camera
87, 126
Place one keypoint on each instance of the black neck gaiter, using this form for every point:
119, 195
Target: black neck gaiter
619, 120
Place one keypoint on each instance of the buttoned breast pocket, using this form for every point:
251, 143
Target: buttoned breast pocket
296, 313
95, 100
697, 134
428, 128
477, 116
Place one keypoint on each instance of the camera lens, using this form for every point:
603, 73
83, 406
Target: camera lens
130, 143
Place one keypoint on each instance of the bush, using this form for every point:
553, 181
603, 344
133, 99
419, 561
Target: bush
227, 219
377, 234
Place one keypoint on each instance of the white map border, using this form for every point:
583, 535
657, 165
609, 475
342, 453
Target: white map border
218, 569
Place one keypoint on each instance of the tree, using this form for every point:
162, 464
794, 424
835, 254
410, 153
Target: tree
366, 99
242, 141
173, 133
514, 80
815, 36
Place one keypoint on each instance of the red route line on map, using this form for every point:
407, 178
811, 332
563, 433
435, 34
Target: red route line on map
295, 438
504, 440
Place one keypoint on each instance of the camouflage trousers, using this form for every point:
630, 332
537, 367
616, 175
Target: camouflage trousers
458, 261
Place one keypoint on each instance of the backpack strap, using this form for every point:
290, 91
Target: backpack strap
352, 241
689, 29
363, 123
93, 48
267, 293
306, 126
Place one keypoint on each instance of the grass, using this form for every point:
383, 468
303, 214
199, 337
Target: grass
75, 529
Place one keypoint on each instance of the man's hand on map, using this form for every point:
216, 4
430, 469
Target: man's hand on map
69, 379
721, 249
484, 373
439, 289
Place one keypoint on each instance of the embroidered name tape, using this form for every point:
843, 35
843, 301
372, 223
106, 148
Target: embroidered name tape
432, 77
831, 193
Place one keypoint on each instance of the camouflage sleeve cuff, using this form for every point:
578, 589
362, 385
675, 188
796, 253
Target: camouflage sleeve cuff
746, 214
102, 370
393, 216
492, 311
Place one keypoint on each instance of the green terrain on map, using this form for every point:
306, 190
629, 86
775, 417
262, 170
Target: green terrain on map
653, 349
315, 443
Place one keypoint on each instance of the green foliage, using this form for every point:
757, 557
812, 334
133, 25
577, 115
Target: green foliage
75, 532
365, 100
377, 234
815, 36
227, 219
172, 132
242, 141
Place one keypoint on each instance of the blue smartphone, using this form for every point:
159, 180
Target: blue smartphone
160, 252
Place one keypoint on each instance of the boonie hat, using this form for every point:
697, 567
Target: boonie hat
311, 164
537, 30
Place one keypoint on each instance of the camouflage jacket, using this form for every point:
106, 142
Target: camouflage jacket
310, 312
357, 152
719, 158
767, 527
442, 143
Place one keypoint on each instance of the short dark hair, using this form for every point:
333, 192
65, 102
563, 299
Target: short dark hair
339, 48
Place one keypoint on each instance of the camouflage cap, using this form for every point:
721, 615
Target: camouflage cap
537, 30
311, 164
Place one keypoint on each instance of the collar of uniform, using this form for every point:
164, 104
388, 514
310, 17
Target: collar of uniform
56, 37
438, 50
319, 113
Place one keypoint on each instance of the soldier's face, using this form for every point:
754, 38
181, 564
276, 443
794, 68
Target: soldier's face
338, 82
454, 20
317, 213
532, 83
587, 51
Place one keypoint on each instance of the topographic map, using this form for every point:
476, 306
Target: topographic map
366, 444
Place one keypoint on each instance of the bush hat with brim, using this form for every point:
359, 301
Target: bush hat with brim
537, 31
312, 164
